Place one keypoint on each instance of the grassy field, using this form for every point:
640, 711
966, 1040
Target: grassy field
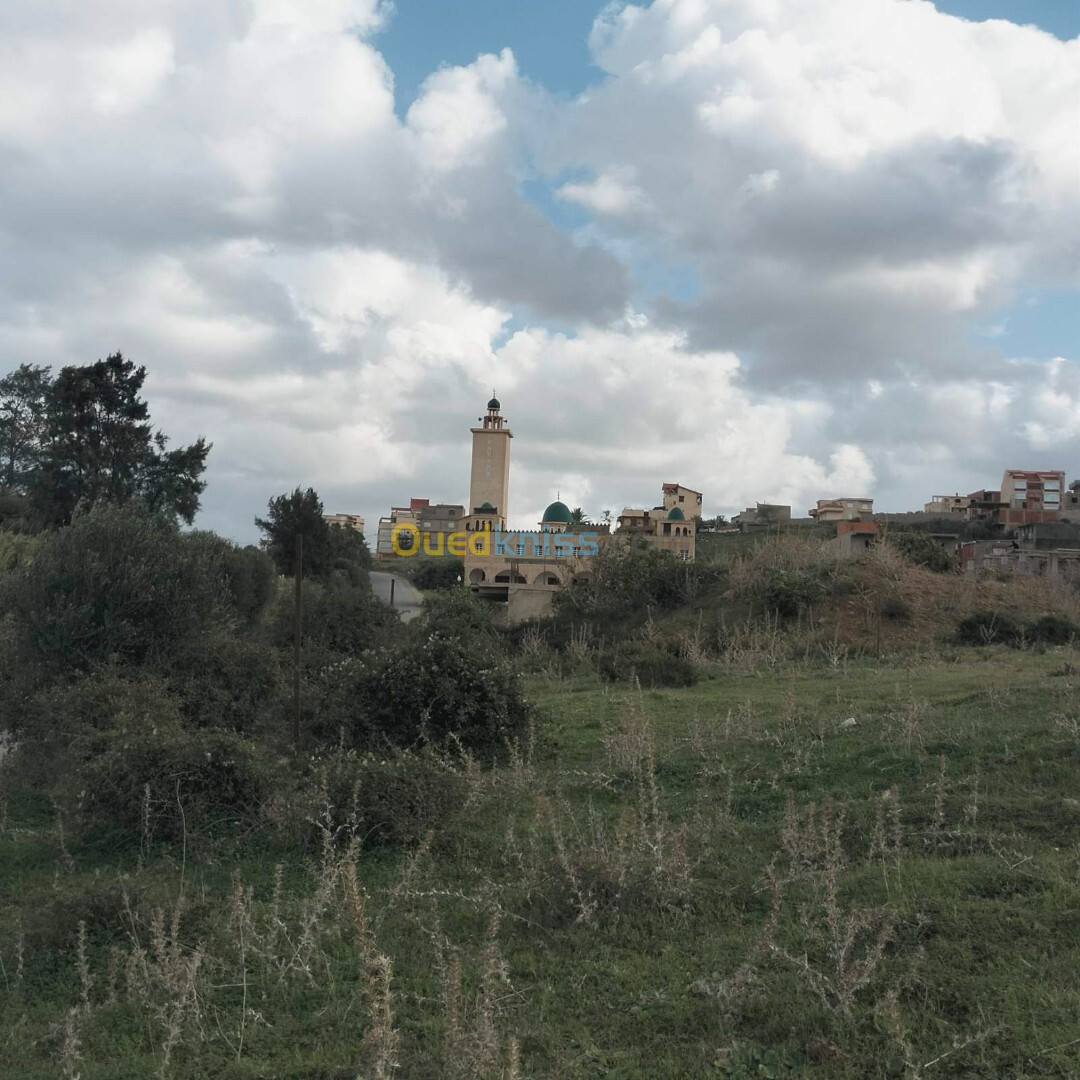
847, 869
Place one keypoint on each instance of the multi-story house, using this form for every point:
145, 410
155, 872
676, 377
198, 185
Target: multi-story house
846, 509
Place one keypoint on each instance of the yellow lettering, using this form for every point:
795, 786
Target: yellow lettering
405, 539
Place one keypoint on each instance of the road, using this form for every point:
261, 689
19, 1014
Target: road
407, 600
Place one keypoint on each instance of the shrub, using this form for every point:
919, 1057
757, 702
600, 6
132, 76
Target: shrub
338, 617
1053, 630
96, 702
789, 591
252, 581
920, 549
429, 574
633, 580
118, 582
652, 664
221, 680
440, 689
456, 612
989, 628
16, 550
152, 775
896, 609
391, 800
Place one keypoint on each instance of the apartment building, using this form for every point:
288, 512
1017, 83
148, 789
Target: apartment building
1031, 495
346, 521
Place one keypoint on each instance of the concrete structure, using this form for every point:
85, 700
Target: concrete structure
946, 505
1022, 489
346, 521
489, 482
665, 528
399, 515
983, 505
845, 509
432, 522
685, 499
1011, 557
853, 537
762, 516
525, 569
441, 517
1044, 535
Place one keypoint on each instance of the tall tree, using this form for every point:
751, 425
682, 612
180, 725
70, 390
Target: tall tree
99, 447
578, 516
24, 397
299, 513
326, 547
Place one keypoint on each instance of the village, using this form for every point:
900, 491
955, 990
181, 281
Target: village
1029, 524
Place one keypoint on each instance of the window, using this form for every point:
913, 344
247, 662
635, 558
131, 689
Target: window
682, 498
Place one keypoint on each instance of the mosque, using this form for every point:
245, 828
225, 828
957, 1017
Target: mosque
525, 569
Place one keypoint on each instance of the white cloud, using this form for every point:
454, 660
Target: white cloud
329, 291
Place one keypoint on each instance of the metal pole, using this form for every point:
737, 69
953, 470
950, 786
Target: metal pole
393, 582
298, 595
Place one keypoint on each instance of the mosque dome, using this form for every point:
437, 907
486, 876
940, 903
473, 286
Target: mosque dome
675, 514
558, 512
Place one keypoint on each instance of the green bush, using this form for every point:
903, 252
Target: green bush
437, 689
624, 581
921, 549
66, 713
222, 680
456, 611
789, 591
989, 628
430, 574
152, 775
391, 800
119, 582
252, 582
896, 609
1053, 630
652, 664
338, 617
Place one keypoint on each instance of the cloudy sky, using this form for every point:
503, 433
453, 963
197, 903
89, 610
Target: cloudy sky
772, 249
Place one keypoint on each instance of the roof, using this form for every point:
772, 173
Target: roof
676, 487
558, 511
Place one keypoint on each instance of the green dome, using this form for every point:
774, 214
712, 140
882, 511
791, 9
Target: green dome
559, 511
485, 506
675, 514
494, 403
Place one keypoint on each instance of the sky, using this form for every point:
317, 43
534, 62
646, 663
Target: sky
776, 250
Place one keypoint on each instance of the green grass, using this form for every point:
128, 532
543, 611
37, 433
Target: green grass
981, 971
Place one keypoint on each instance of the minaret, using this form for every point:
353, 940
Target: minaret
490, 483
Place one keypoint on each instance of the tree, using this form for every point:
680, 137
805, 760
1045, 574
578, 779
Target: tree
24, 396
578, 516
921, 549
327, 548
96, 446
